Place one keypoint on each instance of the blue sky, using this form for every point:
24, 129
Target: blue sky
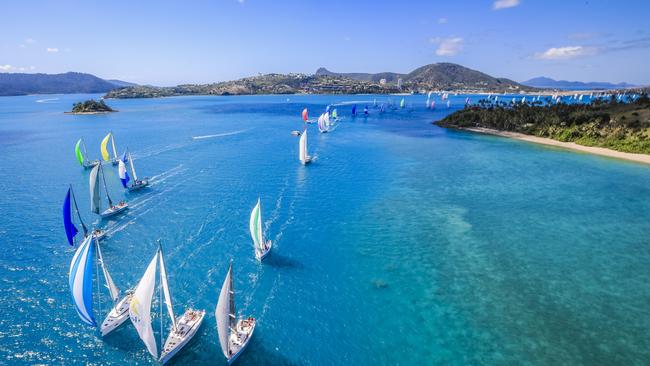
194, 41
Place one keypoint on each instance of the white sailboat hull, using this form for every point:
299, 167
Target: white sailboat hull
117, 316
239, 341
306, 161
260, 255
90, 164
140, 183
186, 327
114, 210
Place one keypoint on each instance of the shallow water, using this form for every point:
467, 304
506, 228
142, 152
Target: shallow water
403, 243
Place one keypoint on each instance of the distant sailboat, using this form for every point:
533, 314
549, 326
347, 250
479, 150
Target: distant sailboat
262, 247
82, 157
433, 104
302, 149
81, 287
304, 115
182, 329
105, 155
324, 123
124, 176
335, 114
402, 103
354, 110
95, 198
365, 109
70, 230
234, 334
448, 104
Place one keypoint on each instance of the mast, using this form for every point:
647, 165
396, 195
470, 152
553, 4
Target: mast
84, 146
110, 202
112, 289
135, 176
78, 213
231, 314
165, 286
113, 143
160, 300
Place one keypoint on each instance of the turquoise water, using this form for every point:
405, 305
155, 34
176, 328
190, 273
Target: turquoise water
403, 243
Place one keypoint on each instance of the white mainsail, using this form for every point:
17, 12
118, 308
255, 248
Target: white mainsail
303, 147
225, 313
115, 292
113, 143
255, 226
135, 176
140, 307
165, 286
94, 190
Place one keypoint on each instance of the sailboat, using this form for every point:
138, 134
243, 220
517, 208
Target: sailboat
183, 328
70, 230
448, 104
82, 157
105, 155
302, 149
304, 115
95, 199
354, 110
335, 115
324, 123
81, 286
402, 103
262, 247
124, 176
234, 334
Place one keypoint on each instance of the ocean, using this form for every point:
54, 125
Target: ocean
401, 244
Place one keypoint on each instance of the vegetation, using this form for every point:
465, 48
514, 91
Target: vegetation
91, 106
441, 76
622, 126
70, 82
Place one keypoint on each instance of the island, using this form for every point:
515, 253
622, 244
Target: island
606, 126
439, 76
91, 106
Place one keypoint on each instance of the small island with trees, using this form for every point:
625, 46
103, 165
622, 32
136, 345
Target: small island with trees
91, 106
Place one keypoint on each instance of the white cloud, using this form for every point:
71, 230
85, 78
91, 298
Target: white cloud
565, 53
11, 68
30, 41
442, 20
52, 49
6, 68
448, 46
504, 4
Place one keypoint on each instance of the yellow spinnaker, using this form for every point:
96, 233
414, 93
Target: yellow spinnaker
105, 154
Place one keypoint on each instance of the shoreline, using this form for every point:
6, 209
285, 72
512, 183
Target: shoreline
601, 151
98, 112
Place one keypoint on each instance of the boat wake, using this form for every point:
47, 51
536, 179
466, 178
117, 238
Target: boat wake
220, 134
162, 177
46, 100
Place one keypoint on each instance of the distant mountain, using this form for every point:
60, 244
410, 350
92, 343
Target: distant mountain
548, 83
442, 75
120, 83
70, 82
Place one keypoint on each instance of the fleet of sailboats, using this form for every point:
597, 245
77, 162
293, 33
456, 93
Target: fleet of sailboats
262, 247
324, 123
234, 333
182, 329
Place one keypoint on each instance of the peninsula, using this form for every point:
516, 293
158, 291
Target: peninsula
91, 106
605, 127
440, 76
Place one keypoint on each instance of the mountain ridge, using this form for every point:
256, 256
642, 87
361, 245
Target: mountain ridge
549, 83
12, 84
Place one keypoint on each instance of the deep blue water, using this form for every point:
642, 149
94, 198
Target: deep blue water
403, 243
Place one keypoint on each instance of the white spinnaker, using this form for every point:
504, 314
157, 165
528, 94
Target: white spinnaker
94, 190
140, 307
165, 286
222, 313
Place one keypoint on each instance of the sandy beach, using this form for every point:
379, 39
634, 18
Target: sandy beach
639, 158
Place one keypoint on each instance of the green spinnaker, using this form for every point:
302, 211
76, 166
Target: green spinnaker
77, 151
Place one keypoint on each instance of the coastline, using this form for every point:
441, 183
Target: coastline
98, 112
638, 158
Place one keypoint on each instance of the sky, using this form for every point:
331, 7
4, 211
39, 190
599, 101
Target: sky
201, 41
